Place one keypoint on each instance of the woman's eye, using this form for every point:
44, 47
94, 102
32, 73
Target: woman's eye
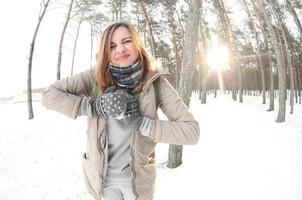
112, 46
127, 41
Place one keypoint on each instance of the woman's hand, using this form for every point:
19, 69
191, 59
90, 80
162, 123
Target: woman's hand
117, 103
132, 110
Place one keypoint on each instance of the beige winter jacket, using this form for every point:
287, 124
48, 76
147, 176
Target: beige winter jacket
65, 96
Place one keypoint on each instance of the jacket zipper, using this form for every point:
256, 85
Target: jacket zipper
104, 156
132, 157
132, 164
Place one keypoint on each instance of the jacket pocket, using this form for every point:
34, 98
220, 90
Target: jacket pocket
85, 156
90, 177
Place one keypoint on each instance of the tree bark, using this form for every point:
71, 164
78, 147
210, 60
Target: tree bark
271, 86
148, 23
283, 28
281, 67
299, 81
204, 72
229, 37
30, 59
187, 65
264, 32
294, 14
258, 50
75, 43
91, 44
169, 11
62, 39
296, 82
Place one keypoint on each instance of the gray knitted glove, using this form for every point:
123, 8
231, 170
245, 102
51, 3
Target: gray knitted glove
88, 108
112, 102
132, 110
119, 104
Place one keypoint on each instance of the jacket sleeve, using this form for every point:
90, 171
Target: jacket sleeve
182, 128
65, 95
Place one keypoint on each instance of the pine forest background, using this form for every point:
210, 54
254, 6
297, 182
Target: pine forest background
263, 38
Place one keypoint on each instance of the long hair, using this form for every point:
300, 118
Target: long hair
103, 76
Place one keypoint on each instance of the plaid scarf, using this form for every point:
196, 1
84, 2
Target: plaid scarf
128, 76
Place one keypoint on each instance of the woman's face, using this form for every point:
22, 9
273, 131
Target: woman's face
123, 51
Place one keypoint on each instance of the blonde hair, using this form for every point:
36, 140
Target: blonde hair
103, 76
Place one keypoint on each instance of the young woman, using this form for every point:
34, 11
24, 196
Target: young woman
120, 96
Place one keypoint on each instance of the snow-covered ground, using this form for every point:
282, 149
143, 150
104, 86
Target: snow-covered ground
243, 154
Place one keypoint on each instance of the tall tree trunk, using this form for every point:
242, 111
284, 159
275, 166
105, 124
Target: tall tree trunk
75, 43
281, 67
253, 29
296, 82
116, 9
204, 71
62, 39
214, 81
229, 37
148, 23
275, 6
239, 80
44, 6
91, 44
120, 10
271, 86
169, 11
294, 14
137, 17
264, 32
204, 32
187, 67
299, 81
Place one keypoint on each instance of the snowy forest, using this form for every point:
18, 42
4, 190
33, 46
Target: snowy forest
263, 47
237, 64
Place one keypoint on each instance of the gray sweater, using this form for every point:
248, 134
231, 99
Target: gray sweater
119, 145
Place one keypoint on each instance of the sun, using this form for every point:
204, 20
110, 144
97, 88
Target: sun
218, 57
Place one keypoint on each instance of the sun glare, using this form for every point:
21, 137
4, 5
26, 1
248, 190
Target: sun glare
218, 57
